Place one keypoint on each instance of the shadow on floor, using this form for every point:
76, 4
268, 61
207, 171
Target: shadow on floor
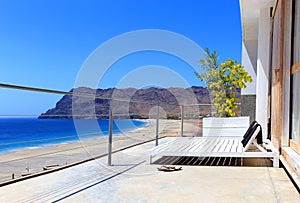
213, 161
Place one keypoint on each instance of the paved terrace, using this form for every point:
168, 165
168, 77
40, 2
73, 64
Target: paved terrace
131, 180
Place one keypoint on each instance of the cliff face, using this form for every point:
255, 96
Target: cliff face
129, 103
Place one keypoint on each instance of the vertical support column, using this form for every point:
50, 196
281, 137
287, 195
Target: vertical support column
110, 132
182, 119
157, 124
263, 66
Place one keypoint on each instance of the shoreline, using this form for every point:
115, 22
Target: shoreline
30, 161
72, 139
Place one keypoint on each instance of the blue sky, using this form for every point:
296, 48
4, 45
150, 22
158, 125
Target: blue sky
44, 43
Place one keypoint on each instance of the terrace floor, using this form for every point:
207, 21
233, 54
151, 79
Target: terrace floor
131, 180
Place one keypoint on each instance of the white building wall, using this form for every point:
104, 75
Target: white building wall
263, 67
249, 61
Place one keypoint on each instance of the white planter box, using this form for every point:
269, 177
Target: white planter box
231, 126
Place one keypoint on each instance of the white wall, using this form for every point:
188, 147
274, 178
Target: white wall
263, 66
249, 61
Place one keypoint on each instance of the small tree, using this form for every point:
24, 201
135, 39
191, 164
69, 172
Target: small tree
222, 80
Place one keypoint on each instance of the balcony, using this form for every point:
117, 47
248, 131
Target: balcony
130, 179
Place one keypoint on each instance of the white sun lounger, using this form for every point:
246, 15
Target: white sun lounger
217, 147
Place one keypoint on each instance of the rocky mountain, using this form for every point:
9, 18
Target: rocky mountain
130, 103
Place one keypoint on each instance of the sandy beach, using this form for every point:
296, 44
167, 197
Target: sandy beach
31, 161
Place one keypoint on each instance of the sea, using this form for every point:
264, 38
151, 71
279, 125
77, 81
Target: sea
29, 133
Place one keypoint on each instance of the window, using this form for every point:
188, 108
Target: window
295, 143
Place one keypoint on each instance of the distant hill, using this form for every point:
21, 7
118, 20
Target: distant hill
130, 103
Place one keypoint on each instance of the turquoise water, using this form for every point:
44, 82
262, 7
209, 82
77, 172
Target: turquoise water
26, 133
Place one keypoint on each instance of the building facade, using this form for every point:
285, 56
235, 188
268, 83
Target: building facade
271, 54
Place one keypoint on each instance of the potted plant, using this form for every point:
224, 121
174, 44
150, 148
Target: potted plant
223, 80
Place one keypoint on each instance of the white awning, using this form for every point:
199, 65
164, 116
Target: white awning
250, 16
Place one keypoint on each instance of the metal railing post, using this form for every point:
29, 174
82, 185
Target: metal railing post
182, 118
110, 132
157, 124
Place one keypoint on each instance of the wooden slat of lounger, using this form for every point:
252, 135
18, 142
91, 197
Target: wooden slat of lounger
198, 145
222, 148
178, 142
164, 146
179, 148
201, 145
235, 145
195, 142
180, 145
229, 145
161, 149
208, 143
230, 154
218, 146
183, 148
213, 145
240, 147
174, 150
